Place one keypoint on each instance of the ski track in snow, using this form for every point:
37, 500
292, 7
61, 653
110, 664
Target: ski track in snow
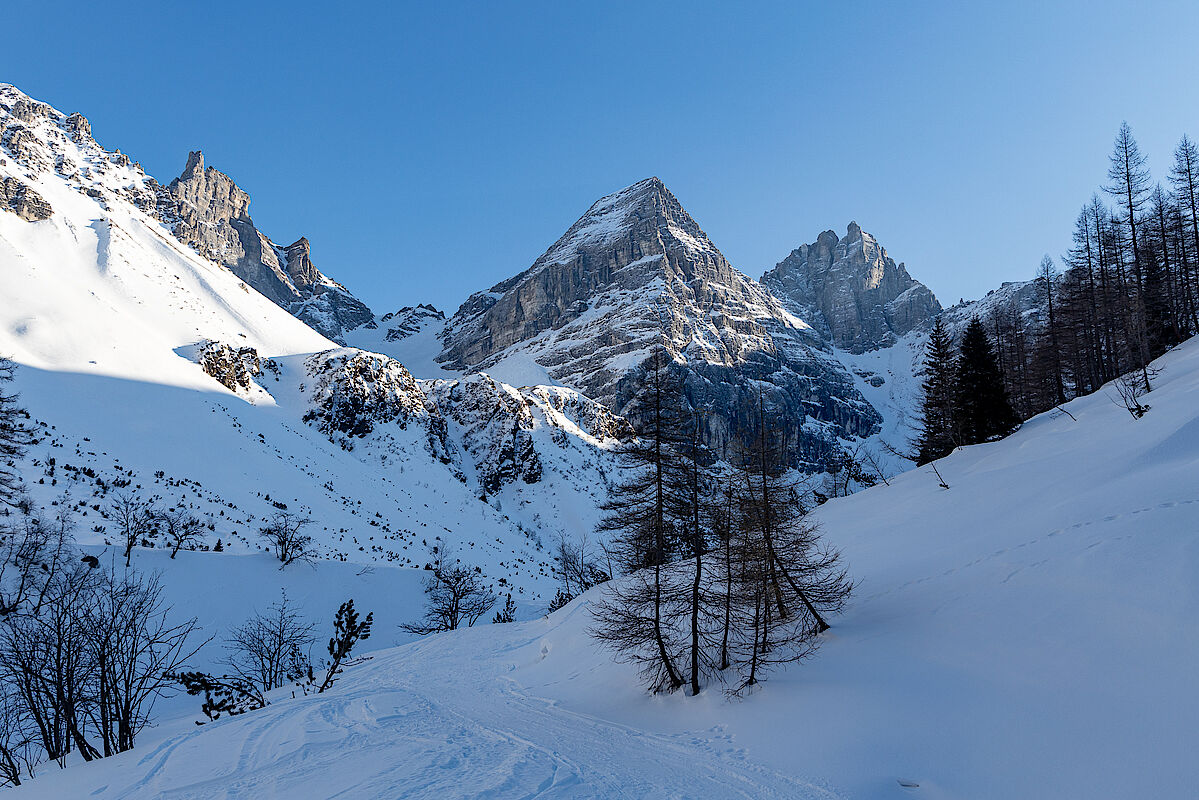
394, 731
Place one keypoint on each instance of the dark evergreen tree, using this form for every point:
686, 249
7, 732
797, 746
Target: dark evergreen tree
936, 435
348, 630
507, 613
982, 410
14, 437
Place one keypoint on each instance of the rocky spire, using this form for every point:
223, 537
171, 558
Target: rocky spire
195, 165
300, 268
212, 214
851, 291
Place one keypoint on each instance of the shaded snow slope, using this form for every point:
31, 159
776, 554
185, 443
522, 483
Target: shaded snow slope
412, 336
1029, 632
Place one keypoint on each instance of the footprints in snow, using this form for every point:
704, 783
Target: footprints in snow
1050, 534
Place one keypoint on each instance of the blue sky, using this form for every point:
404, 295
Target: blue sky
429, 150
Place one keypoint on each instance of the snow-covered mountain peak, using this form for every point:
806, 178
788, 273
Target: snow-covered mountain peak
634, 272
152, 363
96, 283
647, 202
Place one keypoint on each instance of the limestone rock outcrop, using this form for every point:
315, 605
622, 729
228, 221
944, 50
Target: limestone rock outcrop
851, 291
27, 204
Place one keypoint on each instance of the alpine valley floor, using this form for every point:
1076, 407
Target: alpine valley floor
1008, 634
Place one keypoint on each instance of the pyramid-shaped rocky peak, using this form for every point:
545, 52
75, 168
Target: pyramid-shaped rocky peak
643, 210
851, 291
636, 272
628, 249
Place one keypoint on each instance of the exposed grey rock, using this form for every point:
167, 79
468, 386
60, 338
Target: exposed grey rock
851, 291
497, 424
634, 272
326, 305
234, 368
209, 212
31, 111
25, 148
23, 201
354, 391
80, 129
358, 397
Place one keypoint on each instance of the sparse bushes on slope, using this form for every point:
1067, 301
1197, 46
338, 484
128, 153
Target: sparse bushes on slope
271, 650
84, 651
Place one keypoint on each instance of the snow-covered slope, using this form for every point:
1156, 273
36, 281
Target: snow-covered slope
150, 367
99, 287
1029, 632
412, 336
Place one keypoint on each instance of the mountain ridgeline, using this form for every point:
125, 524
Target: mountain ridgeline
851, 291
208, 211
634, 273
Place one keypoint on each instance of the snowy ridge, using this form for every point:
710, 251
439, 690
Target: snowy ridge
1026, 297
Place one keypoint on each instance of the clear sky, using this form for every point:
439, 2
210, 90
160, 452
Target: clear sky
429, 150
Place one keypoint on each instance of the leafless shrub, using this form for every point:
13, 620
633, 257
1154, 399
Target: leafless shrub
455, 596
1129, 390
134, 519
182, 530
272, 647
287, 539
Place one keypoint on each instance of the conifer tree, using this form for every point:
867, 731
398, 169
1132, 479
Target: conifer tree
1184, 177
788, 579
1047, 276
982, 410
633, 617
1129, 176
14, 437
935, 438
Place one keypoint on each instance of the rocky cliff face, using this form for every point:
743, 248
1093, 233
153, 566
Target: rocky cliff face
497, 426
489, 433
209, 212
851, 291
18, 198
635, 272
